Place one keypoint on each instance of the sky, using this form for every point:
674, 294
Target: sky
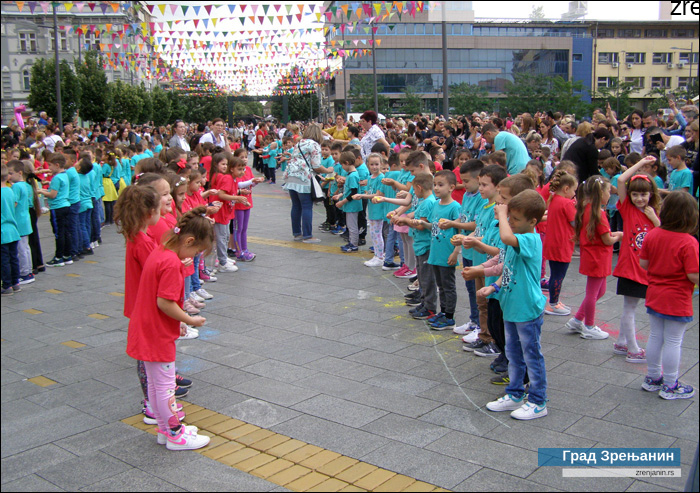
600, 10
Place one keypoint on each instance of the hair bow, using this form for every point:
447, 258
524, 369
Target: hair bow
182, 163
643, 177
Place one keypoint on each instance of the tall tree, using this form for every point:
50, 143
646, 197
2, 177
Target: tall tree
468, 98
618, 97
537, 13
301, 107
42, 93
362, 95
95, 97
412, 102
146, 113
161, 106
126, 105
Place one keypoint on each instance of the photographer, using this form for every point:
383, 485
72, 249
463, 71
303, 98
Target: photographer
657, 141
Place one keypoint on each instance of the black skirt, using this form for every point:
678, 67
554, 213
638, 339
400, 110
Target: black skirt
628, 287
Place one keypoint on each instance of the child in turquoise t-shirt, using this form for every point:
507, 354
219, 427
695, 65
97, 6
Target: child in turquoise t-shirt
443, 255
24, 196
681, 177
523, 304
347, 203
375, 209
10, 238
59, 205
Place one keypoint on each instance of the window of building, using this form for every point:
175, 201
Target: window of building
683, 81
420, 29
607, 82
685, 57
26, 80
636, 82
92, 42
629, 33
636, 58
606, 58
655, 33
27, 43
660, 82
606, 33
662, 58
62, 41
683, 33
577, 57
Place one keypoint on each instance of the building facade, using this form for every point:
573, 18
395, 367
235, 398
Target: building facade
28, 36
488, 52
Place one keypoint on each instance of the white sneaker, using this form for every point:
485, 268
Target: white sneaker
574, 325
594, 332
196, 297
465, 329
162, 439
558, 309
505, 403
227, 268
202, 293
374, 262
530, 411
471, 337
191, 334
230, 261
188, 439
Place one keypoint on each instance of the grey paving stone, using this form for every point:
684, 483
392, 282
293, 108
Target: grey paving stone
259, 413
526, 435
42, 353
645, 400
616, 434
84, 471
331, 385
383, 360
339, 410
7, 377
474, 399
406, 430
132, 480
344, 368
222, 376
552, 477
18, 409
583, 386
278, 370
474, 422
487, 453
214, 397
596, 373
33, 460
370, 341
109, 435
486, 479
76, 394
642, 486
431, 467
32, 482
660, 422
395, 402
274, 391
401, 383
332, 436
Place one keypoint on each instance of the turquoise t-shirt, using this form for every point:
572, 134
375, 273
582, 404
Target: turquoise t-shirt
85, 192
521, 295
405, 176
472, 204
422, 237
338, 169
493, 238
61, 184
126, 170
74, 181
440, 246
96, 180
364, 174
158, 148
116, 173
100, 183
8, 228
612, 203
24, 196
375, 212
681, 178
272, 160
390, 192
516, 152
659, 182
352, 181
483, 221
328, 163
148, 153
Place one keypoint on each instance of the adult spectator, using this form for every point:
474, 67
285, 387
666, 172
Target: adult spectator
340, 131
216, 134
31, 136
101, 134
373, 134
584, 153
43, 118
637, 135
122, 137
304, 162
581, 131
516, 152
546, 130
51, 138
178, 139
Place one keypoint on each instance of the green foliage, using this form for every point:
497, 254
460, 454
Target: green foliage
243, 108
618, 97
161, 106
201, 109
301, 107
537, 13
661, 96
466, 99
362, 95
146, 113
126, 103
42, 93
95, 97
532, 93
412, 102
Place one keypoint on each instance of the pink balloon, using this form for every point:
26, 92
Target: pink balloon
18, 115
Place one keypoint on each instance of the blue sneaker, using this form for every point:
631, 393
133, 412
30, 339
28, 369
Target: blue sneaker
443, 323
423, 314
349, 248
678, 391
434, 318
390, 266
338, 231
652, 385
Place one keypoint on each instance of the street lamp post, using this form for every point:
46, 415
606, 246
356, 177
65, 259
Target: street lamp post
59, 109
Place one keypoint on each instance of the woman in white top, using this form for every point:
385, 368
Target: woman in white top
637, 135
373, 134
178, 139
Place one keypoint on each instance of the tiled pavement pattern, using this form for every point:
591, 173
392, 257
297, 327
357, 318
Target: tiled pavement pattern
310, 344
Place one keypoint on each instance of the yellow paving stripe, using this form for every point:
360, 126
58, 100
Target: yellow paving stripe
272, 196
315, 247
282, 460
42, 381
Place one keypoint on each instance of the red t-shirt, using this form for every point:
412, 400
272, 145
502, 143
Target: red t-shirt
247, 176
541, 227
458, 195
259, 137
206, 163
559, 240
635, 225
438, 166
137, 251
192, 201
226, 184
672, 256
596, 257
152, 333
164, 225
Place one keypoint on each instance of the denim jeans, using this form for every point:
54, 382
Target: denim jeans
525, 355
10, 264
392, 237
302, 214
85, 229
194, 278
471, 291
73, 241
96, 231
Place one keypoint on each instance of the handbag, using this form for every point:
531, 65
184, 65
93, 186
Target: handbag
317, 194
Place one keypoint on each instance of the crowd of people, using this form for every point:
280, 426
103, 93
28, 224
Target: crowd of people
511, 197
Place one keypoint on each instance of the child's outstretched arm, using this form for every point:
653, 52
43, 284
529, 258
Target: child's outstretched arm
401, 202
631, 171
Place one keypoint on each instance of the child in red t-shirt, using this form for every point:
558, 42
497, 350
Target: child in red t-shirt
155, 322
245, 181
670, 257
559, 240
596, 241
638, 204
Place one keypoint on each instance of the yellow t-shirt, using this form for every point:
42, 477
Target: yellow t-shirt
338, 134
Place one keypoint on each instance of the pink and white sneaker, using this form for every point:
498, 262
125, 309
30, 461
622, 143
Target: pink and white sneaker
640, 357
401, 271
187, 439
163, 438
620, 349
407, 274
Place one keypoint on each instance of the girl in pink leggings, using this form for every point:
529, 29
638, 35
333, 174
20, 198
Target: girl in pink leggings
155, 323
246, 181
596, 241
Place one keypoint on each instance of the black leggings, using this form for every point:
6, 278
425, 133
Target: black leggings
34, 243
556, 279
109, 212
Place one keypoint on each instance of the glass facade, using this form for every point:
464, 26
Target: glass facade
465, 29
432, 83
